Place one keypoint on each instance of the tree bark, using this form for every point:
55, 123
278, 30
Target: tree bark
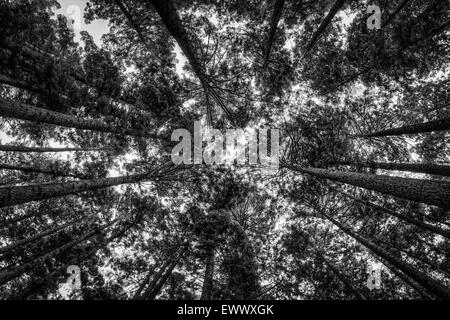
431, 192
44, 149
144, 283
157, 277
343, 279
52, 171
152, 295
394, 14
420, 277
431, 126
170, 18
428, 168
131, 21
30, 289
37, 237
23, 111
417, 223
326, 21
13, 273
276, 15
208, 278
407, 280
10, 196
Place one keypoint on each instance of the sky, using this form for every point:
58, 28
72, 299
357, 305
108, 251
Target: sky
74, 9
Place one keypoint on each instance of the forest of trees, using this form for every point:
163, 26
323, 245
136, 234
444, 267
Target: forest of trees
86, 177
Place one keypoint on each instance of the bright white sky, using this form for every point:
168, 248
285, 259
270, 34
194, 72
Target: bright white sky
74, 9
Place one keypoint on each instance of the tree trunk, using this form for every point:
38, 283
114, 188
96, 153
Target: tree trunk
436, 125
394, 14
19, 84
30, 289
156, 278
343, 279
169, 16
428, 168
152, 295
209, 275
44, 149
326, 21
10, 196
420, 277
417, 223
52, 171
407, 280
13, 273
144, 283
276, 15
37, 237
23, 111
432, 192
424, 260
131, 21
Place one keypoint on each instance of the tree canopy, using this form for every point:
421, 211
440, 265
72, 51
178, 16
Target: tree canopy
86, 177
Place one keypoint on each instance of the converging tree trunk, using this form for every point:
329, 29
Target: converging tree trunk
209, 276
343, 279
157, 289
431, 126
426, 191
39, 236
429, 168
10, 196
23, 111
12, 273
169, 16
144, 282
275, 18
56, 171
420, 277
16, 148
401, 216
326, 21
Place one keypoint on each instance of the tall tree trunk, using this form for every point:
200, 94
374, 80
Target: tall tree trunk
23, 111
343, 279
394, 14
407, 280
44, 149
428, 168
19, 84
431, 126
156, 290
10, 196
156, 278
424, 260
326, 21
420, 277
130, 19
144, 282
417, 223
52, 171
209, 276
426, 191
44, 282
169, 16
37, 237
276, 15
13, 273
